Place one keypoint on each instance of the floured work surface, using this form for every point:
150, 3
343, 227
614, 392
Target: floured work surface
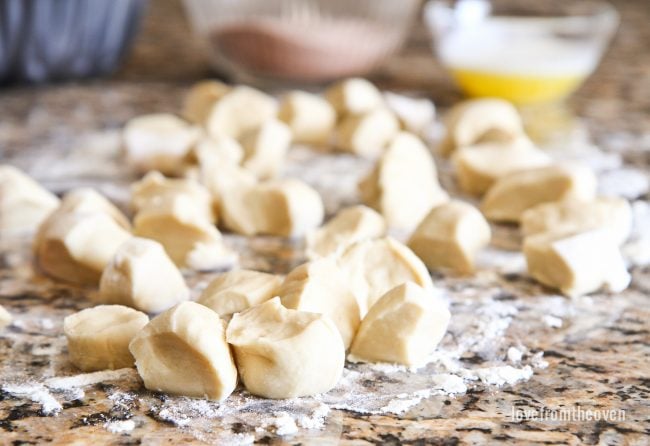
511, 345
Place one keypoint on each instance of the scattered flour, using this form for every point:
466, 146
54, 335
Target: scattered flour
87, 379
120, 426
514, 354
284, 424
552, 321
37, 393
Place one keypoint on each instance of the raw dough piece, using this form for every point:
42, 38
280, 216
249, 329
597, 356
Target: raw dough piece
403, 186
5, 317
201, 98
511, 195
613, 214
354, 96
367, 135
98, 337
183, 351
480, 120
480, 165
77, 246
158, 142
240, 110
86, 200
576, 263
265, 148
286, 208
414, 114
311, 118
374, 267
189, 238
154, 188
142, 276
320, 287
285, 353
210, 150
237, 290
349, 226
403, 327
450, 236
24, 203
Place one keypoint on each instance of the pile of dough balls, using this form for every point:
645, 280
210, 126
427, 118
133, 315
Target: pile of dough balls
361, 292
571, 236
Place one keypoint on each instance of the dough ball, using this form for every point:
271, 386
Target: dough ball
154, 188
513, 194
240, 110
189, 238
311, 118
284, 353
450, 236
368, 134
235, 291
265, 148
480, 165
612, 214
414, 114
209, 152
349, 226
98, 337
24, 203
142, 276
5, 317
77, 246
576, 263
403, 186
158, 142
201, 98
374, 267
285, 208
321, 287
480, 120
86, 200
404, 327
354, 96
183, 351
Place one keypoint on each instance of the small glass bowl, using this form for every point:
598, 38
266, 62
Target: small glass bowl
308, 41
525, 52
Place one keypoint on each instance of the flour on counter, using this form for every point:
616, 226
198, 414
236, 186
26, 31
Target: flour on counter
120, 427
36, 393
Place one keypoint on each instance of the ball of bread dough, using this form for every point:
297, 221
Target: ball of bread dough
159, 141
450, 236
142, 276
480, 165
189, 238
576, 263
349, 226
87, 200
265, 148
184, 351
321, 287
310, 117
415, 114
285, 353
286, 208
76, 247
368, 134
154, 188
480, 120
237, 290
513, 194
612, 214
238, 111
403, 186
201, 98
373, 267
24, 203
99, 337
404, 326
354, 96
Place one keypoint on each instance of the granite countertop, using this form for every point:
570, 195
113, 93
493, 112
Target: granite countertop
591, 353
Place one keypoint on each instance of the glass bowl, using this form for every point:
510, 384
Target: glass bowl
525, 52
44, 40
300, 40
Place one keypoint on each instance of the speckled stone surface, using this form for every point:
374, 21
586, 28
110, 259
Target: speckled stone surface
598, 359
